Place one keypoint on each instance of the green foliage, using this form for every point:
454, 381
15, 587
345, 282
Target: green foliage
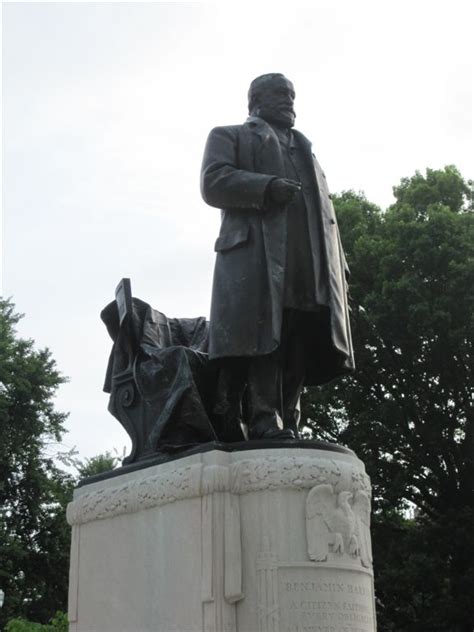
34, 535
22, 625
437, 187
406, 411
97, 464
34, 492
58, 623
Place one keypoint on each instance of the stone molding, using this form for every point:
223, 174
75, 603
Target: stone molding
196, 480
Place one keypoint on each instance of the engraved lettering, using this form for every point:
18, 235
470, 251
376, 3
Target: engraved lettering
313, 586
355, 590
309, 605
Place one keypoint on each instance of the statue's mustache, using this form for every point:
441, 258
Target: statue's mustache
278, 108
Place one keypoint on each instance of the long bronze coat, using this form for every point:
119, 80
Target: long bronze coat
248, 288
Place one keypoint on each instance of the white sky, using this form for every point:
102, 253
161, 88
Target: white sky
106, 109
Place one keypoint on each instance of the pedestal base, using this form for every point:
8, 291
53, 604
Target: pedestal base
261, 540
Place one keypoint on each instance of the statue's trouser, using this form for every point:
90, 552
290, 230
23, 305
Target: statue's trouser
260, 540
273, 393
275, 381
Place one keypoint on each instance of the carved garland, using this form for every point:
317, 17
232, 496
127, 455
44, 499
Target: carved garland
195, 480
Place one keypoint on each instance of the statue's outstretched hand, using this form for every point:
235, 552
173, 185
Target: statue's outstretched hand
283, 189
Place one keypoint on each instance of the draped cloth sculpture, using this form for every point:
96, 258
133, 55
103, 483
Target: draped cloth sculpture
163, 389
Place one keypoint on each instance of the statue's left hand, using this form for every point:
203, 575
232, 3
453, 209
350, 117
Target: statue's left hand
282, 190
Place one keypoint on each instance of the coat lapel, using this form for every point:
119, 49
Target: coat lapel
304, 143
267, 152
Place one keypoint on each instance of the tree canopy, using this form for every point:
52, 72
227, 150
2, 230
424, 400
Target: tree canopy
407, 410
34, 490
34, 536
97, 464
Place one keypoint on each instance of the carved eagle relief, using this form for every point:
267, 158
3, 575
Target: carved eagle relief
339, 522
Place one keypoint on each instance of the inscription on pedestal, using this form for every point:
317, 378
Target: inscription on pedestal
339, 602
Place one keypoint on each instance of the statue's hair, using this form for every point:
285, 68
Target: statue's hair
258, 86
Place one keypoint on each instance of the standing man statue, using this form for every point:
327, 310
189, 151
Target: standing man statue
279, 313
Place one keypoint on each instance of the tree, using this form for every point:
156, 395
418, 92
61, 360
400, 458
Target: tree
34, 535
34, 491
406, 411
97, 464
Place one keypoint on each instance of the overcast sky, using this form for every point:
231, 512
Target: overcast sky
106, 109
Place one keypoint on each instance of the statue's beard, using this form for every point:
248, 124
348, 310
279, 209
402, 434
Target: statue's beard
284, 117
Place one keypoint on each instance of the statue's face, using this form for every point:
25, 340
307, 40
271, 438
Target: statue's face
276, 102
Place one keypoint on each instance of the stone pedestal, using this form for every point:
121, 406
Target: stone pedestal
257, 540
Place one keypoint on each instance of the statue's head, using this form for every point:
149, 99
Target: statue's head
271, 97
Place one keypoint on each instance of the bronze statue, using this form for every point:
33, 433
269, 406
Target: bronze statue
279, 312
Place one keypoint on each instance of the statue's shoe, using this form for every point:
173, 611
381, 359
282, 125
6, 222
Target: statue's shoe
277, 434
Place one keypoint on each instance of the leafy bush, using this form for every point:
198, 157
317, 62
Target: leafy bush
58, 623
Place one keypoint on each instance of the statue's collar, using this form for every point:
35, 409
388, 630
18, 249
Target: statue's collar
264, 129
257, 122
